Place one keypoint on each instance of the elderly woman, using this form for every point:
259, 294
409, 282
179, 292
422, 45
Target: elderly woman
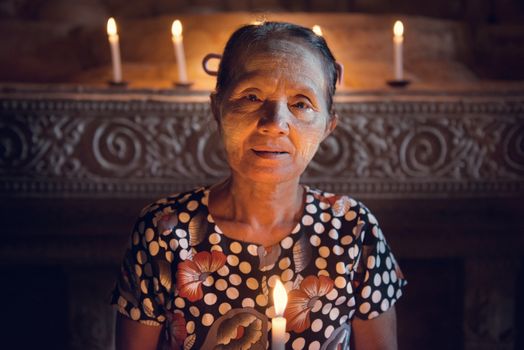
202, 264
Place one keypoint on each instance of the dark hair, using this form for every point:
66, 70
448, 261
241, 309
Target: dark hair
254, 34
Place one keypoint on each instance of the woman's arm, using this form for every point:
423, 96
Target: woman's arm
379, 333
132, 335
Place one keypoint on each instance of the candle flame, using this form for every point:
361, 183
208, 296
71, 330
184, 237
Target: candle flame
176, 28
279, 298
317, 30
111, 26
398, 28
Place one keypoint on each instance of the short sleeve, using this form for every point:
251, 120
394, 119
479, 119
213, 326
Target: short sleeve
378, 280
144, 283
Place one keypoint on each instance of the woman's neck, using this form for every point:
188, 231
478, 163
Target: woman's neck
263, 207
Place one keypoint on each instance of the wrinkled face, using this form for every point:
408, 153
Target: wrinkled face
274, 114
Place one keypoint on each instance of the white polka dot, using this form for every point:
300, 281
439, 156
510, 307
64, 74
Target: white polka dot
261, 300
351, 302
214, 238
336, 223
173, 244
385, 277
326, 308
333, 233
252, 283
141, 257
364, 308
319, 227
311, 208
216, 248
391, 291
317, 306
377, 262
350, 215
316, 325
232, 293
341, 268
208, 282
314, 345
272, 281
320, 263
244, 267
309, 198
384, 305
248, 302
325, 217
323, 251
323, 273
287, 275
340, 282
149, 234
194, 311
135, 313
218, 229
343, 319
393, 274
388, 263
221, 284
183, 217
235, 279
224, 308
314, 240
366, 292
287, 243
334, 313
376, 296
372, 218
377, 280
346, 240
191, 206
332, 295
180, 303
296, 229
371, 262
399, 293
210, 299
328, 331
235, 247
252, 249
298, 344
207, 319
232, 260
284, 263
184, 244
338, 250
223, 271
341, 300
190, 327
307, 220
153, 248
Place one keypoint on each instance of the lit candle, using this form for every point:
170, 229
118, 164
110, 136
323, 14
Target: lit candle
115, 50
278, 323
398, 39
176, 30
317, 30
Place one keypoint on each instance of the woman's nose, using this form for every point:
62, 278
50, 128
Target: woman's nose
274, 119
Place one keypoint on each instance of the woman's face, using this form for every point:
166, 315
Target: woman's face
274, 114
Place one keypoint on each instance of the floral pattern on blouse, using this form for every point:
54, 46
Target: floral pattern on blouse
209, 291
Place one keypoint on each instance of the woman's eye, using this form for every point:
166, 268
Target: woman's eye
301, 105
252, 98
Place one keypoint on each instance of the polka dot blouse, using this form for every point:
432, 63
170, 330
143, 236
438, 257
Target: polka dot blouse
209, 291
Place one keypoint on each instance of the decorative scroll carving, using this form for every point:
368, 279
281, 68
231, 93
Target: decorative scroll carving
102, 147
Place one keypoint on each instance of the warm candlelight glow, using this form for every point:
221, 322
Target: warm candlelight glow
317, 30
176, 28
111, 26
398, 28
280, 298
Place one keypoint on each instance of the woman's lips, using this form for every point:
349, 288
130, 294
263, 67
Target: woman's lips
267, 154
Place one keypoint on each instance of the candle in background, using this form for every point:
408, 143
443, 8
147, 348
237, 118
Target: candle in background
398, 39
176, 30
317, 30
278, 323
115, 50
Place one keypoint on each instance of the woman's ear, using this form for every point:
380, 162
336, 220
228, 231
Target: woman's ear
331, 125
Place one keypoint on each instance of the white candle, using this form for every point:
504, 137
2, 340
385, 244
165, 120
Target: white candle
398, 39
115, 50
278, 323
176, 31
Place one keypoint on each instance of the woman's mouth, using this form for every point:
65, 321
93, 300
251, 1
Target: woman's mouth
270, 154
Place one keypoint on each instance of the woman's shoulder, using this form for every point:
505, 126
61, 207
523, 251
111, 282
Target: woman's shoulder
339, 205
176, 202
